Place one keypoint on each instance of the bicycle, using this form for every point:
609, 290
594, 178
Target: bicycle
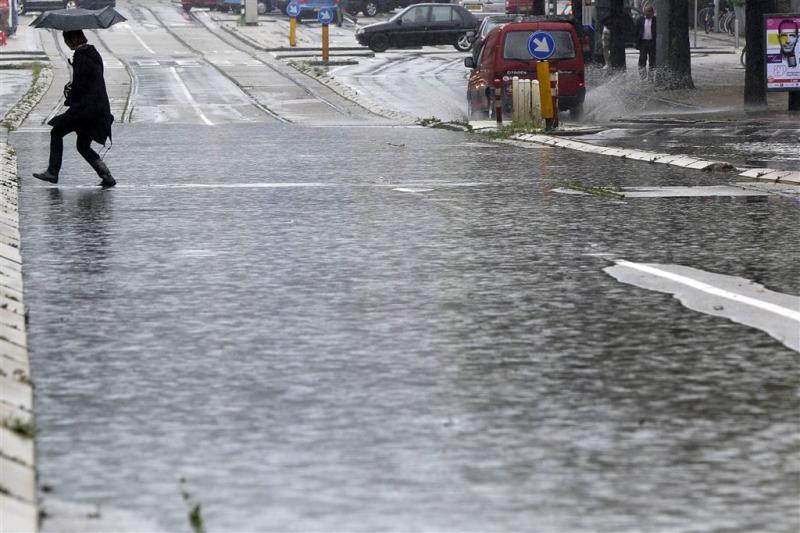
707, 16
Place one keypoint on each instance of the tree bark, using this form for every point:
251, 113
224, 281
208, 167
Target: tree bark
616, 23
678, 68
577, 10
755, 83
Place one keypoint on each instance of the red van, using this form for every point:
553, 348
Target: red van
504, 54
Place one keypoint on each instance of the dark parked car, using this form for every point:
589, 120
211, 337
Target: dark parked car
370, 8
24, 6
422, 25
95, 4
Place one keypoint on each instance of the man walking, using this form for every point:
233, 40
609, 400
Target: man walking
88, 111
646, 43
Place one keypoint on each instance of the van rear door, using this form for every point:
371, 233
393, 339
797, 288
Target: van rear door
517, 59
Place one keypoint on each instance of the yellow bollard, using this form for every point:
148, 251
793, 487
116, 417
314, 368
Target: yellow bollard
543, 75
325, 48
293, 31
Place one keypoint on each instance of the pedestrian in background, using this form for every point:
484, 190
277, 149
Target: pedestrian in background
88, 114
606, 42
646, 43
341, 11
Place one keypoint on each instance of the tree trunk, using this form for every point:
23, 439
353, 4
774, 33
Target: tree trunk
755, 83
617, 25
678, 68
577, 11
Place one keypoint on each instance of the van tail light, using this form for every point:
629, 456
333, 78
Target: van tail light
581, 82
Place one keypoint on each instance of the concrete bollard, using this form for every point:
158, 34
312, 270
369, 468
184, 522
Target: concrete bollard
554, 94
498, 100
536, 105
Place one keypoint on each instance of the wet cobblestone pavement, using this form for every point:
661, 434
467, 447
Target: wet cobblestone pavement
398, 329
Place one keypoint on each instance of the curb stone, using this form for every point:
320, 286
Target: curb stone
785, 177
18, 503
17, 114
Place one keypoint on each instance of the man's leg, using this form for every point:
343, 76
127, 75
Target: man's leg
642, 59
56, 155
651, 60
84, 145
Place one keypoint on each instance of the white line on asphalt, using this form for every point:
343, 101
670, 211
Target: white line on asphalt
710, 289
189, 97
144, 44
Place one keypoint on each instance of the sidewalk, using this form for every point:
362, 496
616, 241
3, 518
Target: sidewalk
709, 123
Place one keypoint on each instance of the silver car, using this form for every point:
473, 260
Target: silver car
484, 6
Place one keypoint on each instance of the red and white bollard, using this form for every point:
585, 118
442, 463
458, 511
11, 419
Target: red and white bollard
498, 100
3, 40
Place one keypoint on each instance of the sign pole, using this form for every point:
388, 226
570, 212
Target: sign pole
325, 48
293, 10
325, 17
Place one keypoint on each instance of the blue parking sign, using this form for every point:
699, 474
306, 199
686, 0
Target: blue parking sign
325, 15
541, 45
293, 9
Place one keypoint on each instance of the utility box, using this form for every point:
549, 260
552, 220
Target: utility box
250, 12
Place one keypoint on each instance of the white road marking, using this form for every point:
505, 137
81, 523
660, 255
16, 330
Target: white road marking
716, 291
144, 44
190, 98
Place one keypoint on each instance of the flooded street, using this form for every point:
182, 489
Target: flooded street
398, 329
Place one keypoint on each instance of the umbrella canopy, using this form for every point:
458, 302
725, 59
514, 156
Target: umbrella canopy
78, 19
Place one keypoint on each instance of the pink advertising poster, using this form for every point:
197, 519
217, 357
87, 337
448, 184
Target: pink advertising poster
783, 52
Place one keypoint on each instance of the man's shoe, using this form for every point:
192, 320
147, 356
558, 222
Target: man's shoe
105, 174
46, 176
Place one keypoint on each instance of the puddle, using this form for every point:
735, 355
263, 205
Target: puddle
737, 299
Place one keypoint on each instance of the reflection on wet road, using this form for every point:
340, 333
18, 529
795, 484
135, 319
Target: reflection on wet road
400, 329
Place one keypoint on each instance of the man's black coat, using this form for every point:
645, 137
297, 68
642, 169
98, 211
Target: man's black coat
640, 30
89, 112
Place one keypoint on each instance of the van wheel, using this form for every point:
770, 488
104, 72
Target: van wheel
370, 8
576, 113
463, 44
379, 43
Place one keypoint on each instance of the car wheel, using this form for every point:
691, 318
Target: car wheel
187, 8
262, 8
463, 44
370, 8
379, 42
576, 113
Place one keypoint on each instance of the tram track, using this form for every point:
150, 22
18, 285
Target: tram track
253, 100
286, 72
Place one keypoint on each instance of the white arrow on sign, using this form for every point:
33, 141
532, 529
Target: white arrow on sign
541, 45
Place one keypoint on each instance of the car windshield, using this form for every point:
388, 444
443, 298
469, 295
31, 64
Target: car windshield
516, 45
491, 23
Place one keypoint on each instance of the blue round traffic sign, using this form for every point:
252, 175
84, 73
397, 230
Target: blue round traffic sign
541, 45
325, 15
293, 9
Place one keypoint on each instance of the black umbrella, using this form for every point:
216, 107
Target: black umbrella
78, 19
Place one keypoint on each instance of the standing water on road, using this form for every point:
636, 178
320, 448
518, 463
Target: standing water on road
371, 329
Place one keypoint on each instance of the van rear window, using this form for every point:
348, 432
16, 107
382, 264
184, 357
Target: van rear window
516, 45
